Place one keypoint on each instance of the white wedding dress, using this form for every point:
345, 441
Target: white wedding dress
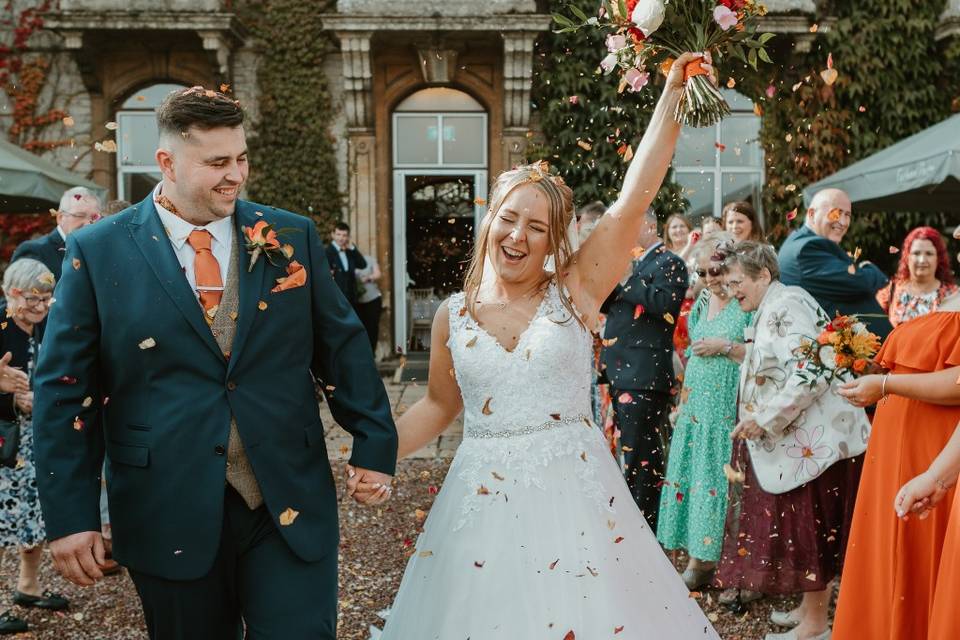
534, 533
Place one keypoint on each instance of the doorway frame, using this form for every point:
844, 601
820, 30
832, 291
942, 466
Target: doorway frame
400, 235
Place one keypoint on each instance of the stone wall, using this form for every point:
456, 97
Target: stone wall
438, 7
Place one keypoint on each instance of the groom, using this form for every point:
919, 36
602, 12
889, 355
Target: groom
186, 341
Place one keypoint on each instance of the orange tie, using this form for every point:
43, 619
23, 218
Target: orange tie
207, 272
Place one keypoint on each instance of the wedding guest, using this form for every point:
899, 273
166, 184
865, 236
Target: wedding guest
891, 568
923, 279
709, 224
588, 217
28, 289
799, 479
677, 231
693, 504
740, 220
811, 258
115, 206
369, 299
78, 207
344, 259
637, 360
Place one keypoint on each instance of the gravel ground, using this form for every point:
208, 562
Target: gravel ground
372, 558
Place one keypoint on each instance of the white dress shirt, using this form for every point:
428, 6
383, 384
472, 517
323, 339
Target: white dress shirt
343, 258
178, 230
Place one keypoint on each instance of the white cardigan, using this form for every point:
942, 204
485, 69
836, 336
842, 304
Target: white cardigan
807, 429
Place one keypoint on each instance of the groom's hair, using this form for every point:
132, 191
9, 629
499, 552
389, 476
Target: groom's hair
197, 107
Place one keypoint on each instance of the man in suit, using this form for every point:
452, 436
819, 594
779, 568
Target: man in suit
811, 258
187, 341
637, 360
344, 260
79, 207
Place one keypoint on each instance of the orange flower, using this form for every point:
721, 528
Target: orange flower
263, 235
824, 338
859, 365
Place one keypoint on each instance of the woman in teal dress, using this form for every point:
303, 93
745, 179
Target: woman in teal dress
693, 504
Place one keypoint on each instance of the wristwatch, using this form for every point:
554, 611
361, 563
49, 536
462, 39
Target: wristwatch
727, 349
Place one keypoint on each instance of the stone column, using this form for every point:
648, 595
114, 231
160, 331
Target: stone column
517, 81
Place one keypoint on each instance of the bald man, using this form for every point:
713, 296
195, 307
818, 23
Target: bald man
811, 258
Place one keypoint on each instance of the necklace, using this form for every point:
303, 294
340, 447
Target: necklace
503, 304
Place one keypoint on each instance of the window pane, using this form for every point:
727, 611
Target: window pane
696, 147
741, 187
463, 140
698, 189
417, 139
741, 135
737, 101
137, 139
137, 186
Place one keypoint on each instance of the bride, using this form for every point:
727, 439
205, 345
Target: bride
534, 534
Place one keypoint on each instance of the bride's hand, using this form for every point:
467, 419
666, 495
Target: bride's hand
863, 391
675, 79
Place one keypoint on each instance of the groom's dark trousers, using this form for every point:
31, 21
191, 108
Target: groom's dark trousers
130, 369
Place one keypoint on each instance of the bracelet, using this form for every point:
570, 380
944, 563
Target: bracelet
940, 484
883, 387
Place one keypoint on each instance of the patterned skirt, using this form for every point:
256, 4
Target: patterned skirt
21, 522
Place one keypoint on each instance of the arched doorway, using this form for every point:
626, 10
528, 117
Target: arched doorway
137, 140
439, 191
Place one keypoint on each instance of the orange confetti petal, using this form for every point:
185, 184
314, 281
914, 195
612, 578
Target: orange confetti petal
583, 144
78, 423
486, 407
262, 306
76, 263
638, 311
668, 317
479, 202
852, 269
288, 516
719, 145
731, 83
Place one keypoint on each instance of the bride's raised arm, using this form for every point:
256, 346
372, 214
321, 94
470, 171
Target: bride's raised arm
604, 256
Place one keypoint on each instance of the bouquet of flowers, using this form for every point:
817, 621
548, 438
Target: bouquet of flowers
844, 348
645, 34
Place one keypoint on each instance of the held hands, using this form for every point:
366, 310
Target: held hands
12, 380
675, 79
863, 391
24, 402
78, 557
708, 347
368, 487
747, 430
919, 496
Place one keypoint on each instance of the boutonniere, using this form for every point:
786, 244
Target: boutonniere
263, 239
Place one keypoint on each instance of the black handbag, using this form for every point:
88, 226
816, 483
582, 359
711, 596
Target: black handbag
9, 442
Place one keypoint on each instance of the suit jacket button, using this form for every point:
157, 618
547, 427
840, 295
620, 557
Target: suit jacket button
219, 450
231, 385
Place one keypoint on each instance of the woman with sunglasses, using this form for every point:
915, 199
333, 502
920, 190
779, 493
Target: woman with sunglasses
693, 504
28, 289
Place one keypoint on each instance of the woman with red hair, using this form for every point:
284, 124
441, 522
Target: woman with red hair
923, 279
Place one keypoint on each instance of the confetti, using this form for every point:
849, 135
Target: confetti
78, 424
67, 379
479, 202
574, 100
262, 305
742, 552
790, 188
893, 249
553, 565
68, 121
570, 635
852, 269
617, 630
731, 83
486, 407
224, 88
609, 342
771, 91
149, 343
668, 317
426, 554
86, 402
76, 263
583, 144
472, 341
638, 311
112, 126
618, 540
483, 491
720, 146
814, 27
791, 214
479, 564
496, 476
288, 516
829, 74
862, 109
624, 398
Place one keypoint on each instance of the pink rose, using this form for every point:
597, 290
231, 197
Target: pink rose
636, 79
616, 42
724, 17
608, 63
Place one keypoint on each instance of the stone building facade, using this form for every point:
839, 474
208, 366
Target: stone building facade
432, 99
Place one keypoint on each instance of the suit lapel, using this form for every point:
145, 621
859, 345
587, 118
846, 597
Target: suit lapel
251, 282
151, 238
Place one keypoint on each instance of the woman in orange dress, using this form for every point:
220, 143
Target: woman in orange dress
887, 587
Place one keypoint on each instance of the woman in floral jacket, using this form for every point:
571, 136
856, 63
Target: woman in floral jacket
800, 477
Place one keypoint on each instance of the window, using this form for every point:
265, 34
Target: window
425, 137
137, 140
723, 163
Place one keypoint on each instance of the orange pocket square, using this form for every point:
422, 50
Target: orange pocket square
296, 277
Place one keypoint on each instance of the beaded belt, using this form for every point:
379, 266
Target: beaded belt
525, 431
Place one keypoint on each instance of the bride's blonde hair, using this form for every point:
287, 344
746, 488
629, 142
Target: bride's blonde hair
560, 214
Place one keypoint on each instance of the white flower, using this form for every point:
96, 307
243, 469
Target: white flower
609, 63
724, 17
636, 79
859, 327
828, 356
616, 42
648, 16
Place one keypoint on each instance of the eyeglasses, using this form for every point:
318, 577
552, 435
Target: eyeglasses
733, 284
36, 301
713, 272
93, 217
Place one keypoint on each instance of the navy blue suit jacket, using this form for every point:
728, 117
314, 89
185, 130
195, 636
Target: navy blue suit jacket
346, 280
129, 364
48, 249
822, 268
641, 358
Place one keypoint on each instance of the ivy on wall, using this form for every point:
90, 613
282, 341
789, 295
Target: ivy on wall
293, 162
894, 80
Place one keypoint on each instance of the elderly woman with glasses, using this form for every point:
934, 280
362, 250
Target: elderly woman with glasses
800, 477
693, 504
28, 289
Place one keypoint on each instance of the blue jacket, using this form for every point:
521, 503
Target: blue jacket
129, 364
641, 357
47, 249
822, 268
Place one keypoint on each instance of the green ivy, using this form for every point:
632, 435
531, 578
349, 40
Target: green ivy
292, 151
894, 80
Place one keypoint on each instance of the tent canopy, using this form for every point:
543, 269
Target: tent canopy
29, 183
919, 173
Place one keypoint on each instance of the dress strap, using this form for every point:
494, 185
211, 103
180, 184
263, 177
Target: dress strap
457, 310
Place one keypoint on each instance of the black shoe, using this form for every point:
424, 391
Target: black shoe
50, 601
12, 624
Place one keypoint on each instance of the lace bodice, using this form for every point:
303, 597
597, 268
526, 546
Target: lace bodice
545, 379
